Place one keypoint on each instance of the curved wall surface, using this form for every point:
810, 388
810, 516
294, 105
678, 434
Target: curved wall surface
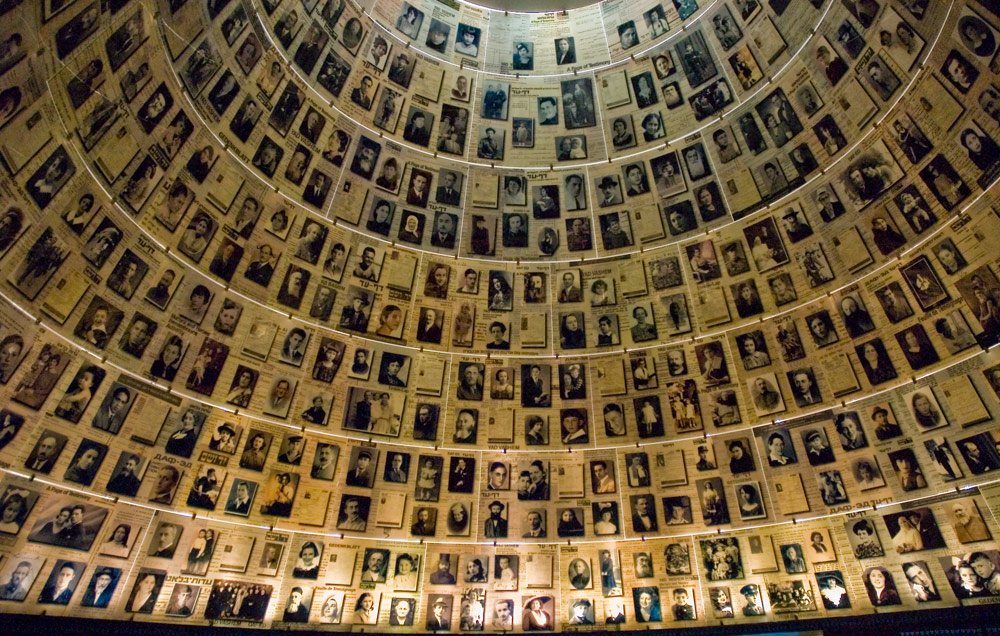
406, 316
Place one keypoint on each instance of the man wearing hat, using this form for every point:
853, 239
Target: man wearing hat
609, 192
488, 147
443, 575
496, 525
795, 229
439, 618
884, 429
753, 606
580, 613
224, 439
353, 316
360, 475
100, 590
293, 450
399, 70
818, 449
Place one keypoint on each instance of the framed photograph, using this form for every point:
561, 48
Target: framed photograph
924, 283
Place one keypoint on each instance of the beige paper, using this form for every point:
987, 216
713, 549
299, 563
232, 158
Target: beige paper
539, 570
64, 295
236, 553
534, 329
311, 506
400, 268
791, 494
963, 401
391, 508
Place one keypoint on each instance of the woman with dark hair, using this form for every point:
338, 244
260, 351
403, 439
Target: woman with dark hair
364, 610
569, 525
194, 240
750, 505
876, 363
307, 566
880, 586
818, 543
381, 218
254, 455
983, 151
117, 543
534, 435
182, 441
747, 300
501, 295
436, 286
327, 362
165, 366
887, 238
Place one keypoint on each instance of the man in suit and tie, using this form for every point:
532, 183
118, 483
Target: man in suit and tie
45, 454
439, 618
241, 504
325, 462
113, 411
643, 514
471, 386
604, 483
361, 474
575, 197
805, 389
417, 193
920, 583
895, 307
166, 542
536, 527
99, 592
829, 209
394, 472
319, 185
416, 131
444, 227
362, 94
244, 121
126, 481
60, 587
447, 194
610, 194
